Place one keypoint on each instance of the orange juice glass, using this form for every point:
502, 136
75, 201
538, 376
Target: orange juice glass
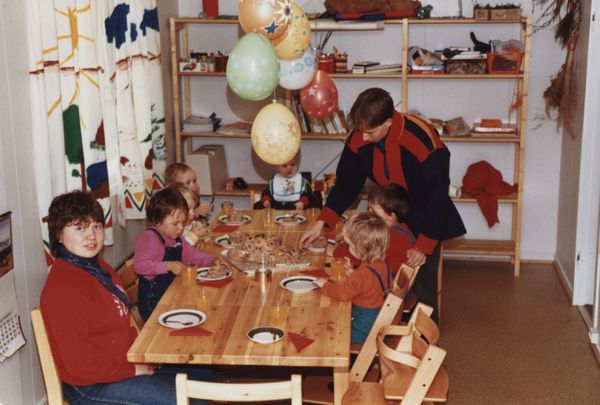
189, 274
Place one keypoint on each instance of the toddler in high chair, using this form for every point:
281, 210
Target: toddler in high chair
288, 189
367, 286
160, 252
181, 173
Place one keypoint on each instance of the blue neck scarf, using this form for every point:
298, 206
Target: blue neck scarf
92, 266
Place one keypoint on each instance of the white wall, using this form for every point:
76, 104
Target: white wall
20, 378
441, 99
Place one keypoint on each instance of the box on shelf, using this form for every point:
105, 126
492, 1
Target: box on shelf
504, 62
481, 13
211, 167
505, 13
463, 67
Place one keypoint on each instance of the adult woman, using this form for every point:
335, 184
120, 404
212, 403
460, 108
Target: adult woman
390, 147
86, 313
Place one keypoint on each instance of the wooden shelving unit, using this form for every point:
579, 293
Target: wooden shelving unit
510, 248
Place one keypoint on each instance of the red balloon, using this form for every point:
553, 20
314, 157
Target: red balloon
319, 98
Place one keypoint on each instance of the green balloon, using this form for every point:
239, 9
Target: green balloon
253, 68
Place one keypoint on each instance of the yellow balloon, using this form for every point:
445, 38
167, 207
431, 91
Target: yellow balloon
275, 134
296, 40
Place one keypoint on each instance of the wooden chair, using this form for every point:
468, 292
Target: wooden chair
247, 392
131, 283
51, 379
252, 200
421, 333
316, 388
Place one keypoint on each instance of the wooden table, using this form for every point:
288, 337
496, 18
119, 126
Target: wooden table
243, 304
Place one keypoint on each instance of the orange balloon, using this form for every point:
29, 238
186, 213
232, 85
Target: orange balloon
270, 18
319, 98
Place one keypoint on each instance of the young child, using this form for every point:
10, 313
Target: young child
160, 252
288, 190
367, 237
391, 204
194, 231
181, 173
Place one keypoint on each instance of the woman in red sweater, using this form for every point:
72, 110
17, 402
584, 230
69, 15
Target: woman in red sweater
86, 313
367, 237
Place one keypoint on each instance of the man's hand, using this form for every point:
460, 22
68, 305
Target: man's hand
415, 257
311, 234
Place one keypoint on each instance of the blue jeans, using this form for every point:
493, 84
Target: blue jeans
157, 389
362, 322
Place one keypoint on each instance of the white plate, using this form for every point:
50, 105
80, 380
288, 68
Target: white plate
265, 335
181, 318
299, 284
202, 275
225, 220
290, 219
224, 241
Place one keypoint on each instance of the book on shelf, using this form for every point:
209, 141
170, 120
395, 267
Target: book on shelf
492, 126
457, 127
236, 128
195, 123
361, 67
387, 68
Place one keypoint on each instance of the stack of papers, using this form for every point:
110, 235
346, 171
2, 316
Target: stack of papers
195, 123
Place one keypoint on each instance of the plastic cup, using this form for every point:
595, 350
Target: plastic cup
189, 275
278, 313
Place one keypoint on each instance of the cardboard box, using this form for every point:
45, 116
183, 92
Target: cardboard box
505, 14
481, 14
211, 167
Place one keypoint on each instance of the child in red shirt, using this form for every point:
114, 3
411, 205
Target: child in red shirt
391, 204
367, 237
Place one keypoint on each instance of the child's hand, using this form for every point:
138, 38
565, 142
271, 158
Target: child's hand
267, 204
348, 264
175, 267
144, 369
299, 205
202, 210
320, 282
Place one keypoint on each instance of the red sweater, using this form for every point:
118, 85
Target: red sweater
89, 329
361, 287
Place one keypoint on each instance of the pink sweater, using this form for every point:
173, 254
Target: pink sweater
149, 253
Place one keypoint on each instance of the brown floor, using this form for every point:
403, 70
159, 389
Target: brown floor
514, 340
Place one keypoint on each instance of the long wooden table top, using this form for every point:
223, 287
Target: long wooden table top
244, 304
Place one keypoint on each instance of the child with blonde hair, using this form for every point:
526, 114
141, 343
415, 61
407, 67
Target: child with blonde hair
160, 252
367, 237
182, 173
194, 231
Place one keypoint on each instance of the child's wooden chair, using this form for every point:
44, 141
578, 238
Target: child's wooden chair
316, 388
131, 283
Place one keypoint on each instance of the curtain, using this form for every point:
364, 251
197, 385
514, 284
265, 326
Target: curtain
97, 103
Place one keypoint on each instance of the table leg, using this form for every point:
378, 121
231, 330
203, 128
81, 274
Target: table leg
341, 381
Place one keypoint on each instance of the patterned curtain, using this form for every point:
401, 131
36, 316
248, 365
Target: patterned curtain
97, 102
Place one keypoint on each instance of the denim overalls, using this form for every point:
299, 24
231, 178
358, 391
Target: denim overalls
364, 318
151, 291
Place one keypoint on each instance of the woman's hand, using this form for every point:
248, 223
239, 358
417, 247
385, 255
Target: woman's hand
415, 257
144, 369
175, 267
320, 282
311, 234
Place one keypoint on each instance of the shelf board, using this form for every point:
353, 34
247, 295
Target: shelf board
482, 139
395, 75
306, 136
257, 187
507, 199
484, 76
480, 246
206, 74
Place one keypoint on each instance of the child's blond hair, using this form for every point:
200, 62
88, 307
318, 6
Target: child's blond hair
185, 191
173, 170
369, 235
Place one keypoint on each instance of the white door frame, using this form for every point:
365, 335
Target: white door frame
589, 178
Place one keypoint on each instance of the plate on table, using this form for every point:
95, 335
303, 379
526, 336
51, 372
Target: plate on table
290, 219
242, 219
226, 241
204, 274
181, 318
299, 284
265, 335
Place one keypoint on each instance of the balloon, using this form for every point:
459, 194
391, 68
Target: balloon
320, 98
253, 68
275, 134
268, 17
297, 38
295, 74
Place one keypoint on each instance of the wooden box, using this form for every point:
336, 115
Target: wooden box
505, 14
210, 165
481, 13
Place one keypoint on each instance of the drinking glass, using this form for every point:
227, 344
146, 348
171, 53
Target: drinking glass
278, 312
227, 208
189, 274
338, 270
205, 299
